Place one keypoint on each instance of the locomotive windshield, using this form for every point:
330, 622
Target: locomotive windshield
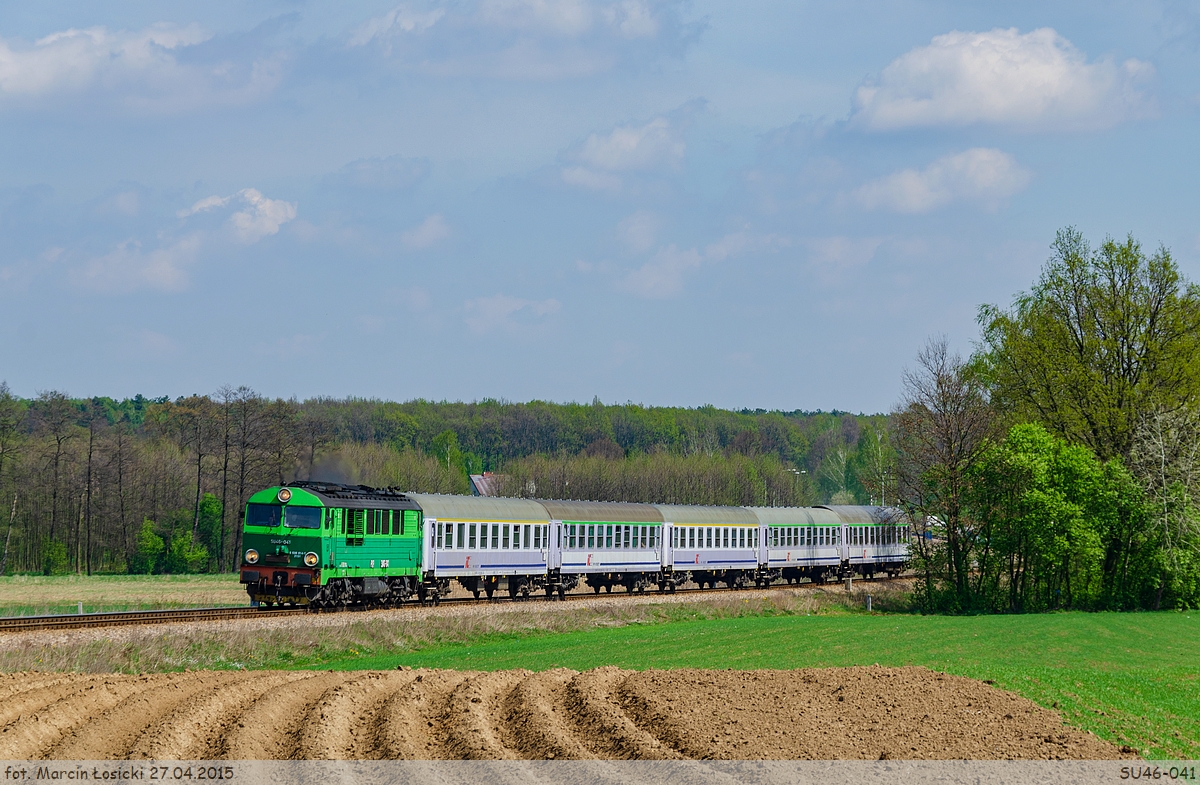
302, 518
263, 514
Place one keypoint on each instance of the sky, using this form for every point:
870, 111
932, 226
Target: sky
756, 204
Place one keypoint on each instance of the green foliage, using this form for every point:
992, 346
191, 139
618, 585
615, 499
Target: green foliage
1106, 336
148, 550
185, 558
209, 532
1048, 526
54, 557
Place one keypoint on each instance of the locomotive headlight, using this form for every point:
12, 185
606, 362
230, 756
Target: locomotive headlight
311, 559
284, 495
251, 556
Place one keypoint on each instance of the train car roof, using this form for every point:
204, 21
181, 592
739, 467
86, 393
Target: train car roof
602, 512
866, 515
796, 516
480, 508
702, 515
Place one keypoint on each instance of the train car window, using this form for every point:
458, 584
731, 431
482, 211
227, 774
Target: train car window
450, 536
505, 538
608, 536
591, 537
438, 544
627, 531
495, 537
471, 537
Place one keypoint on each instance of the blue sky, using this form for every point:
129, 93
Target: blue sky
754, 204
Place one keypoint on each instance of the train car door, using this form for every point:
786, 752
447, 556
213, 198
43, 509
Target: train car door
552, 552
764, 560
428, 552
665, 554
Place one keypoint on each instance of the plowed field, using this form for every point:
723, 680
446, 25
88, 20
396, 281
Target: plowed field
608, 713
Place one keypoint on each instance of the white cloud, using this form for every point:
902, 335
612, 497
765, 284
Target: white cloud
639, 231
832, 257
528, 39
983, 175
397, 21
205, 204
601, 158
586, 178
567, 18
503, 312
663, 275
144, 64
260, 217
128, 267
1036, 80
633, 148
632, 18
429, 232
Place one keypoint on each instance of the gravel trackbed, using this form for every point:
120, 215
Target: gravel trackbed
608, 713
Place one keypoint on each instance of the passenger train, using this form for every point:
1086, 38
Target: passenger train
328, 545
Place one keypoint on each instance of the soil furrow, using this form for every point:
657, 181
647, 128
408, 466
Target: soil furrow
272, 728
410, 719
475, 716
603, 723
344, 724
39, 693
195, 730
31, 735
538, 722
112, 734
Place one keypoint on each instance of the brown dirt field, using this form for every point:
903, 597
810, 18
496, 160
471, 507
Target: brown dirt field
608, 713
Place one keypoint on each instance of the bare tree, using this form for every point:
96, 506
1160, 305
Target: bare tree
1166, 457
942, 427
54, 416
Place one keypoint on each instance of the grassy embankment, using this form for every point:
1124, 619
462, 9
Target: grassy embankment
34, 595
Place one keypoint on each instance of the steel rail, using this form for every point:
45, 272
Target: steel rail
122, 618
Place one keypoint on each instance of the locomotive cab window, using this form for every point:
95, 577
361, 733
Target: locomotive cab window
302, 518
263, 514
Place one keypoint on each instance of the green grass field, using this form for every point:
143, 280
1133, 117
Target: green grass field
1130, 678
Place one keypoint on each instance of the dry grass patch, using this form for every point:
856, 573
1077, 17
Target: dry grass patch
33, 595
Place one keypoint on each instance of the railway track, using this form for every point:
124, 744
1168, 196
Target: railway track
124, 618
185, 615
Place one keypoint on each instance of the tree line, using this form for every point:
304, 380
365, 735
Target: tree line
1059, 465
157, 485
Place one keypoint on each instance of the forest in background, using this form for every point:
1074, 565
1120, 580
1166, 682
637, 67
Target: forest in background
157, 485
1057, 466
